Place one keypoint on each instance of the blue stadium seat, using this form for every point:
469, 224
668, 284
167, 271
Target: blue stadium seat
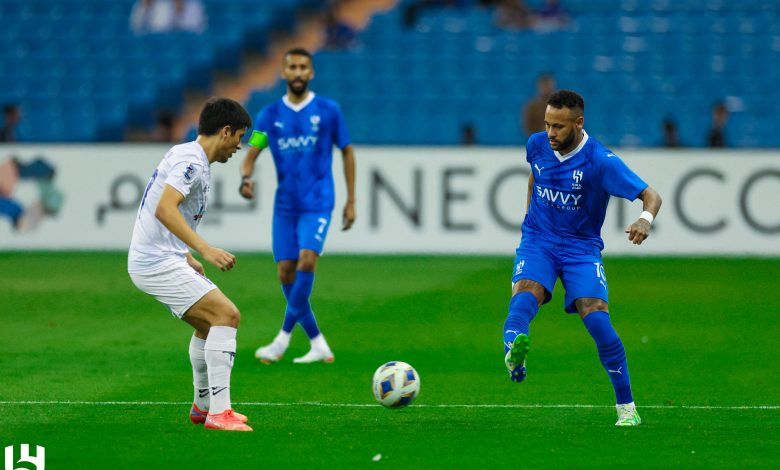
60, 55
641, 59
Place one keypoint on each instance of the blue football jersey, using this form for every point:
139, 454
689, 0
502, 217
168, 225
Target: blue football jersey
570, 193
301, 140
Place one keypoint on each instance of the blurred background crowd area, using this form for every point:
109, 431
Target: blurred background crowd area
654, 73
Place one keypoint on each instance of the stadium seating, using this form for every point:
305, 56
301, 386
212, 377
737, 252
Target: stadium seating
636, 65
80, 74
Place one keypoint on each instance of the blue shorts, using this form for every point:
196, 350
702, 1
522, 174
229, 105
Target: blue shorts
294, 232
577, 263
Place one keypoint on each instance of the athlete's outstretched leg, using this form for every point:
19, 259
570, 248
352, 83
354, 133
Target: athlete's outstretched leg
522, 309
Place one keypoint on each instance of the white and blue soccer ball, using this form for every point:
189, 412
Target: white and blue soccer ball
396, 384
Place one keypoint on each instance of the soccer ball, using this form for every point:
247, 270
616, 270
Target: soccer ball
396, 384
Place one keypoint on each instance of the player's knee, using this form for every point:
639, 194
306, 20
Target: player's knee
532, 287
286, 277
307, 260
586, 306
286, 270
307, 265
234, 316
229, 315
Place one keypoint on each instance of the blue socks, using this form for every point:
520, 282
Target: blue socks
522, 309
289, 318
298, 303
611, 353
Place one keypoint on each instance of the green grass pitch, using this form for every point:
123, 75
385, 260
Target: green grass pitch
108, 370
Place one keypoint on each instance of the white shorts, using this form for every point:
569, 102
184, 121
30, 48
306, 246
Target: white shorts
178, 289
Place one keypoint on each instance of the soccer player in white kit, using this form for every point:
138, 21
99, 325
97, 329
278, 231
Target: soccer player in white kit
160, 262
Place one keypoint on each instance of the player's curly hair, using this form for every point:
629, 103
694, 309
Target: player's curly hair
220, 112
567, 99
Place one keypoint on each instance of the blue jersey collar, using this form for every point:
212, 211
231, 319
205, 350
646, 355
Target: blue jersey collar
562, 158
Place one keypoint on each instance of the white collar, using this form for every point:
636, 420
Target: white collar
299, 106
562, 158
202, 153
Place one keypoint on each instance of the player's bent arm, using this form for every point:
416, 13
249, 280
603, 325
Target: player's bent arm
651, 200
651, 204
530, 191
167, 212
247, 169
348, 154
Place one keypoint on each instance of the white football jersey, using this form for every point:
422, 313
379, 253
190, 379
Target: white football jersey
154, 248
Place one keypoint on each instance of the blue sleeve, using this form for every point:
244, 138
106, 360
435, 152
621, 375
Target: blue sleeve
263, 120
618, 179
340, 132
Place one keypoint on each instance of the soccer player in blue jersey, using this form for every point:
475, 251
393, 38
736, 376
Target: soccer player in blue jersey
302, 129
572, 178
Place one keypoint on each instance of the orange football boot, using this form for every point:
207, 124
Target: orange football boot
198, 416
228, 420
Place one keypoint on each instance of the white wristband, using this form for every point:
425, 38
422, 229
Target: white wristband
647, 216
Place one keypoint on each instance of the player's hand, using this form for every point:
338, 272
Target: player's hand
219, 258
348, 216
638, 231
247, 188
196, 265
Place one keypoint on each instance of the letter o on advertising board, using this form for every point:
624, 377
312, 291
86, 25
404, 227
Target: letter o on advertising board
743, 201
678, 200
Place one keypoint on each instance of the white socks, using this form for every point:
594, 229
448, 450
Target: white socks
318, 343
200, 378
283, 339
220, 349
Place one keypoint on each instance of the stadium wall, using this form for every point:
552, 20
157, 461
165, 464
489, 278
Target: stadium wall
413, 200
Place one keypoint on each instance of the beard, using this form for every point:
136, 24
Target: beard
565, 144
298, 87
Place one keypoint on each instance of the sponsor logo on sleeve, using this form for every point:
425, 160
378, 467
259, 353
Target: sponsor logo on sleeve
189, 172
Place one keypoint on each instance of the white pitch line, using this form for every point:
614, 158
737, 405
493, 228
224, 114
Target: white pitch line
373, 405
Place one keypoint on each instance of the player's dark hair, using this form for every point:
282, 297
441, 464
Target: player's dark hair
299, 51
567, 99
220, 112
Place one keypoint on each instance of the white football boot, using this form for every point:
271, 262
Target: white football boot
273, 352
319, 352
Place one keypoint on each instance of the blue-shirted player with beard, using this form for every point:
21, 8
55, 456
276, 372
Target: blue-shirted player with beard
572, 178
302, 129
